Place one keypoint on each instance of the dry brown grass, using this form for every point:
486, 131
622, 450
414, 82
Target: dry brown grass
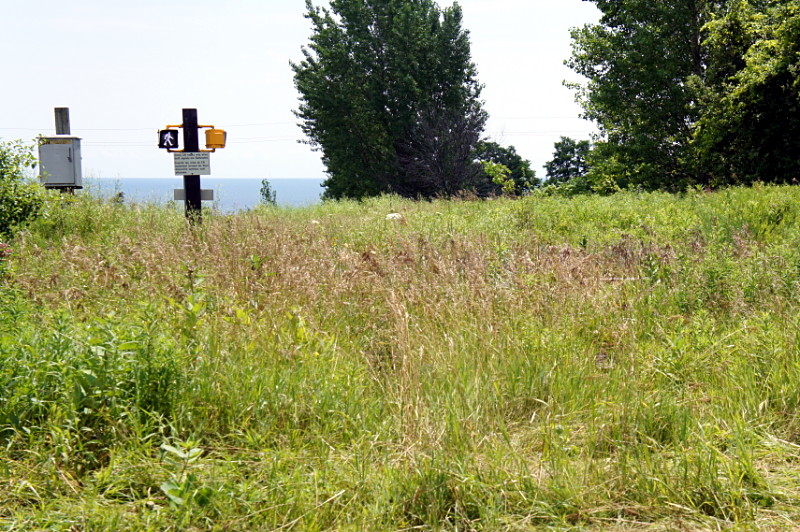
459, 357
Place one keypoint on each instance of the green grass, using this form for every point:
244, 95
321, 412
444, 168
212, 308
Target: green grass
625, 362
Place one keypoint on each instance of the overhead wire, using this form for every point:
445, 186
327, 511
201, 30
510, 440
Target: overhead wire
270, 139
274, 123
139, 128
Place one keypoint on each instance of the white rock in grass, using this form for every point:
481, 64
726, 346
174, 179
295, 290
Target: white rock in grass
394, 216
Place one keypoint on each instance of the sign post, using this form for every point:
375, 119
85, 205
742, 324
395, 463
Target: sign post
191, 183
191, 162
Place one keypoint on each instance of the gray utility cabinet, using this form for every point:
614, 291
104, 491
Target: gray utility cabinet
60, 162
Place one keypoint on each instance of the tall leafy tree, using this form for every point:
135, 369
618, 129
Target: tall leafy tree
750, 129
569, 160
643, 62
371, 79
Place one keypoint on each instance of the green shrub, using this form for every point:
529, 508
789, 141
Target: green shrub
268, 195
91, 383
20, 197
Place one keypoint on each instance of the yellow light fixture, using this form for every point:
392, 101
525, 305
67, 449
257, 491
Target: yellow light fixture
215, 138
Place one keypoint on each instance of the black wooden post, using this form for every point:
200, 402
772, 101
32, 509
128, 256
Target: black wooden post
62, 121
63, 128
191, 183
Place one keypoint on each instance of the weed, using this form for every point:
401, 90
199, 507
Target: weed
183, 488
563, 362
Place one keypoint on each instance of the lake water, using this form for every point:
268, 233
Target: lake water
230, 195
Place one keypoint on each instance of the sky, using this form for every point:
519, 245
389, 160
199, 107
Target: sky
127, 69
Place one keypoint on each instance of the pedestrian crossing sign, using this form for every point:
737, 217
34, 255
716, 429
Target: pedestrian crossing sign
168, 139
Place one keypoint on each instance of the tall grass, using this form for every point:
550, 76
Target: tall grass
591, 362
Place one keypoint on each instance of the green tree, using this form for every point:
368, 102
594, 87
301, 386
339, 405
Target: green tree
21, 198
750, 128
268, 195
643, 63
371, 79
519, 169
436, 157
569, 160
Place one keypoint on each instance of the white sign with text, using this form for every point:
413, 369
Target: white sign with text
192, 163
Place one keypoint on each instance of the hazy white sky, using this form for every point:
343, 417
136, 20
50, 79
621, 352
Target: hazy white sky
127, 69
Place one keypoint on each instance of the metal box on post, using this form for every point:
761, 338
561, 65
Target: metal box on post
60, 162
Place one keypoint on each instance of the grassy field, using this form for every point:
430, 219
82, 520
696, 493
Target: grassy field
610, 363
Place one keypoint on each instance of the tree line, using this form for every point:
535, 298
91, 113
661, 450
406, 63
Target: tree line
691, 93
684, 93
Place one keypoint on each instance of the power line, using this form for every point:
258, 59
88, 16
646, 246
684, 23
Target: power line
573, 117
82, 129
139, 144
261, 124
537, 133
